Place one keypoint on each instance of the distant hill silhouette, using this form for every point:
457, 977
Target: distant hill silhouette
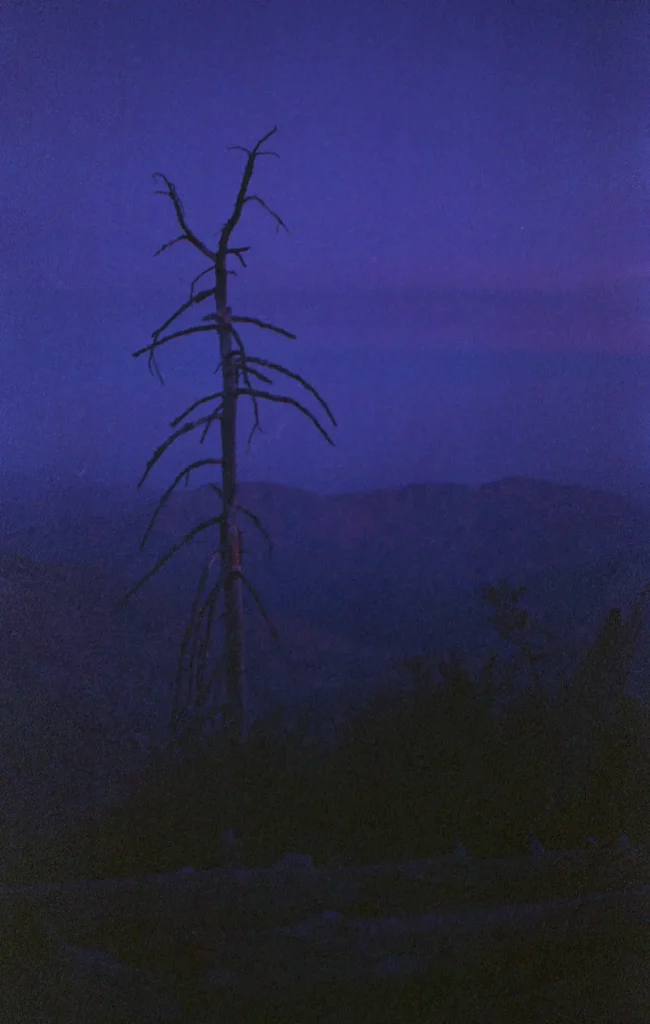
356, 582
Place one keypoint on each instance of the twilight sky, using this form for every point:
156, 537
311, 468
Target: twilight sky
466, 187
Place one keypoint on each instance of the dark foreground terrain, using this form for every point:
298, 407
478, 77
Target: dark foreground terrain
103, 917
433, 940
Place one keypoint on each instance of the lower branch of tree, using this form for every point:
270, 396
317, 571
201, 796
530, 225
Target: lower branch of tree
206, 524
258, 523
185, 429
195, 405
187, 639
170, 490
251, 589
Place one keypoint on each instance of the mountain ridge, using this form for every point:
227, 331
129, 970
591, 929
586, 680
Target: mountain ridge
356, 583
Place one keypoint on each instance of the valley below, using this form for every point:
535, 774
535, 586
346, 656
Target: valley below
356, 584
360, 587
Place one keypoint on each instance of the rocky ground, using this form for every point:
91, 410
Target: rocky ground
546, 938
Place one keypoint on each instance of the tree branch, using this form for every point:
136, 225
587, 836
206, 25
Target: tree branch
170, 337
285, 400
247, 371
241, 365
198, 277
193, 300
276, 216
187, 639
265, 326
195, 405
249, 586
294, 376
160, 451
168, 245
163, 500
238, 253
233, 220
266, 152
206, 524
258, 523
180, 216
203, 641
208, 420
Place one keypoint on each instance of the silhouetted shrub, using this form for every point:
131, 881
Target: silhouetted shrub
409, 775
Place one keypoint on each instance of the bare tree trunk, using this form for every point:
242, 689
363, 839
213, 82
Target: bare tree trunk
235, 681
241, 377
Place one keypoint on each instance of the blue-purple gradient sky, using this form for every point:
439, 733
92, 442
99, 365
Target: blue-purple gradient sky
467, 269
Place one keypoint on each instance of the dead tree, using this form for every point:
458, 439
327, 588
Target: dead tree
242, 376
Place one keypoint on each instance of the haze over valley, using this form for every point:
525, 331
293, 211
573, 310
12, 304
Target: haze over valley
356, 584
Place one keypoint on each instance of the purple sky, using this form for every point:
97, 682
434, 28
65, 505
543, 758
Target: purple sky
466, 187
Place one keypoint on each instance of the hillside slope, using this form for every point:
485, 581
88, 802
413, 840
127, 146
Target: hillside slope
355, 583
